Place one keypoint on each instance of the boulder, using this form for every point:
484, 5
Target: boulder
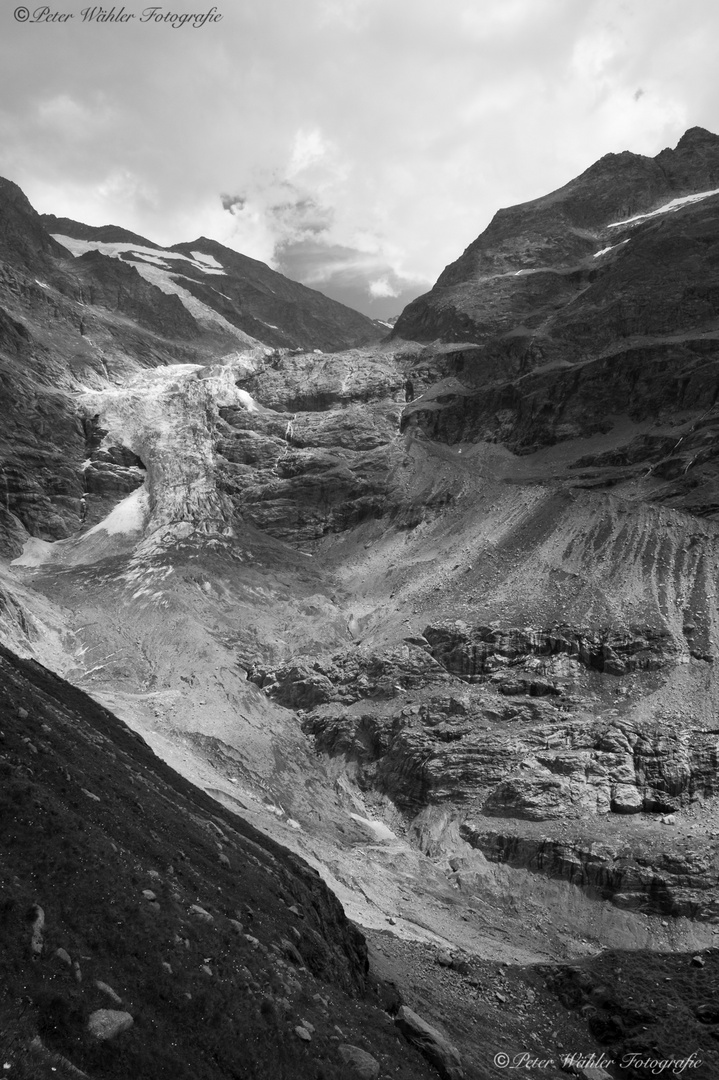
431, 1043
107, 1023
626, 799
359, 1061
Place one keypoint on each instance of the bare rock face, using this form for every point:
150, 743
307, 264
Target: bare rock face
473, 654
349, 678
318, 450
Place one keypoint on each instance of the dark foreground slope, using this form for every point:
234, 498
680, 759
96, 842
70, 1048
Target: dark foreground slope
157, 902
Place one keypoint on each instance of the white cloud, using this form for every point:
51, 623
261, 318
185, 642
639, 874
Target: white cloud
381, 287
370, 138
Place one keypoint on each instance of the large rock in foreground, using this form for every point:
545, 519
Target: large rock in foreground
431, 1043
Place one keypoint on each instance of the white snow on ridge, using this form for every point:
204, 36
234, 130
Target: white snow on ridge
610, 248
668, 208
206, 263
209, 260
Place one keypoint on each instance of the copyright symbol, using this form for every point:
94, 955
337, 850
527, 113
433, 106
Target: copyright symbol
501, 1060
21, 14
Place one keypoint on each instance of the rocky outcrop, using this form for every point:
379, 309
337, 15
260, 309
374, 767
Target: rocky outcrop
348, 678
318, 449
642, 878
481, 651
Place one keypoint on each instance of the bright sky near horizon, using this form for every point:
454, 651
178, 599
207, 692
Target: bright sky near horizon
355, 145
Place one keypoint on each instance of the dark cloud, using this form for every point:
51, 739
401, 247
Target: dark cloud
233, 203
303, 215
357, 278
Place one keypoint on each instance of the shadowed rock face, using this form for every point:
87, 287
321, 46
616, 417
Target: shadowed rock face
485, 290
472, 654
580, 309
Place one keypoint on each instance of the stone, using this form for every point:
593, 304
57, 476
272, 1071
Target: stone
707, 1013
54, 1061
108, 991
431, 1043
364, 1066
626, 799
64, 956
37, 919
106, 1024
303, 1033
201, 913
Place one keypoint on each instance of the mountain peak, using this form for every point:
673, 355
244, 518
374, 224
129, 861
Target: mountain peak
697, 136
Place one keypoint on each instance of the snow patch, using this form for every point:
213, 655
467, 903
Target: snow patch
35, 552
668, 208
208, 260
205, 263
610, 248
247, 400
127, 517
378, 829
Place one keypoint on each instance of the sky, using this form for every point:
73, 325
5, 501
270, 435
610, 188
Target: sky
357, 146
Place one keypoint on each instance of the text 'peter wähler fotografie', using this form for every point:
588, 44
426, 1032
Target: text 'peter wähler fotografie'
149, 15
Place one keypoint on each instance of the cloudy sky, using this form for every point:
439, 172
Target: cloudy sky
355, 145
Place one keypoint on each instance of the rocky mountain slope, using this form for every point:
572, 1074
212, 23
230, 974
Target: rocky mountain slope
437, 614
